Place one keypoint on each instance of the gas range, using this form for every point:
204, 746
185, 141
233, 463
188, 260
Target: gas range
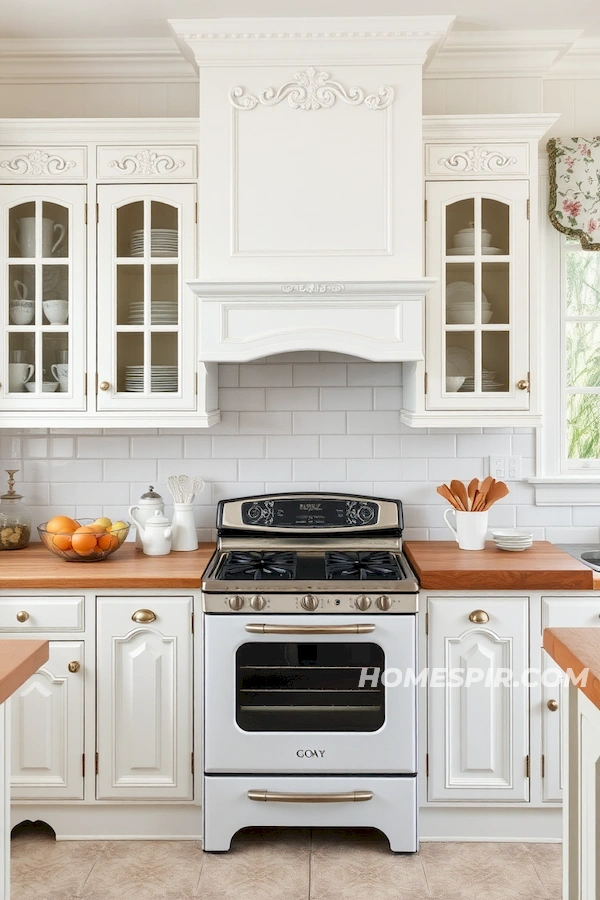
317, 553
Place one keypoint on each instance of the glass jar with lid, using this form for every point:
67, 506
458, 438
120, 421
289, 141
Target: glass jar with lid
15, 518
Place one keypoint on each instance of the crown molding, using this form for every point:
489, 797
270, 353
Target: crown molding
147, 60
500, 54
413, 289
517, 126
67, 131
582, 61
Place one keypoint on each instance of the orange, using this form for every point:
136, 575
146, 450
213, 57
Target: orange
108, 541
62, 541
84, 540
61, 524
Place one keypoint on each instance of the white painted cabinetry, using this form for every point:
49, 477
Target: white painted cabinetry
478, 734
145, 689
48, 728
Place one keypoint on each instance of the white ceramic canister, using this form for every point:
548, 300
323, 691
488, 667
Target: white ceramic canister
185, 536
145, 507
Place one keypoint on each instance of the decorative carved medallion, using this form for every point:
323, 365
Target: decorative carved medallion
312, 90
38, 162
312, 288
147, 162
478, 159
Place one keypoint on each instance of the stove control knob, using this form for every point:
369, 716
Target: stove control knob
236, 602
384, 602
257, 602
310, 602
363, 603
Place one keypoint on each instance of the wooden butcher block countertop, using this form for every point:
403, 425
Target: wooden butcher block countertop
577, 649
441, 566
37, 567
18, 661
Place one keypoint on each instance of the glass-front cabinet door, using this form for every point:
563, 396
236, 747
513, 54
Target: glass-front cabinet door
146, 312
477, 322
43, 298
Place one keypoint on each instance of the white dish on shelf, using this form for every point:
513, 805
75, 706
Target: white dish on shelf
470, 251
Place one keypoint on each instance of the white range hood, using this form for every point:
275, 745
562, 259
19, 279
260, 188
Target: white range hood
311, 197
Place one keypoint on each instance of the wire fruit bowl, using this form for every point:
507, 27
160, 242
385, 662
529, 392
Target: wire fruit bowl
83, 546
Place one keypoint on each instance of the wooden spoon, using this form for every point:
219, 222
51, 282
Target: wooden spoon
485, 486
447, 494
496, 492
460, 492
471, 491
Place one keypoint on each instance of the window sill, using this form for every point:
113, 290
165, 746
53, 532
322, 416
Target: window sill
567, 490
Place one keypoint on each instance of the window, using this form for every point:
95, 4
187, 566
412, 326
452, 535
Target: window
580, 375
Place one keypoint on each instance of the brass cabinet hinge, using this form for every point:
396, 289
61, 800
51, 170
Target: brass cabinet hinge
196, 213
425, 383
425, 209
527, 766
192, 763
426, 623
97, 212
86, 211
543, 766
528, 208
192, 623
85, 383
427, 765
83, 765
96, 762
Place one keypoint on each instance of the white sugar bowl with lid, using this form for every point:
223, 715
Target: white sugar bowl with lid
155, 533
465, 238
148, 504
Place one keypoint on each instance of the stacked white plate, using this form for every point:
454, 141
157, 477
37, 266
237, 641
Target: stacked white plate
163, 378
163, 242
469, 251
460, 304
512, 539
489, 382
163, 312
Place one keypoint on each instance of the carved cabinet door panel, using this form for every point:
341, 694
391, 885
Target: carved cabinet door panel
144, 698
478, 734
47, 728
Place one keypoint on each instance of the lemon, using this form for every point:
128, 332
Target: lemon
103, 522
116, 526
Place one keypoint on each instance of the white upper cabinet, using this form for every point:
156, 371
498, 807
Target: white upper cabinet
483, 315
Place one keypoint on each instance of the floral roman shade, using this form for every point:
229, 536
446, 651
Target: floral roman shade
574, 205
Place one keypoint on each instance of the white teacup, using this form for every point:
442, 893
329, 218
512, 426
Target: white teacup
470, 530
61, 373
24, 236
18, 374
21, 311
56, 311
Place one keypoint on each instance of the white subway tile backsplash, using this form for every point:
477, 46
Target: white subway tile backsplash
292, 398
241, 398
214, 470
100, 493
588, 535
199, 446
169, 446
235, 446
387, 398
261, 469
483, 444
63, 470
319, 422
319, 374
523, 445
266, 376
229, 375
33, 448
380, 374
442, 470
62, 448
11, 447
373, 423
102, 447
386, 445
374, 469
586, 515
351, 446
267, 422
127, 469
545, 516
295, 446
427, 445
319, 469
346, 398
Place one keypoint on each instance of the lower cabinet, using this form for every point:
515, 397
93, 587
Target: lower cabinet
478, 720
47, 728
144, 698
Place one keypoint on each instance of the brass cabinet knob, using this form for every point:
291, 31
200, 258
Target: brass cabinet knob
22, 616
144, 616
479, 617
74, 666
104, 385
523, 384
552, 705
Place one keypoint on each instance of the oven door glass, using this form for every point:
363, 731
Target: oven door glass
312, 687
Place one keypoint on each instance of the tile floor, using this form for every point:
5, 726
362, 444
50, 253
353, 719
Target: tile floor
282, 864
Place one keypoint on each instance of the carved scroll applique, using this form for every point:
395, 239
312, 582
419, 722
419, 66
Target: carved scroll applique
311, 89
312, 288
477, 159
147, 162
38, 162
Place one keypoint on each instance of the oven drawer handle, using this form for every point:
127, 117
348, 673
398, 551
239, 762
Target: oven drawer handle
278, 797
261, 628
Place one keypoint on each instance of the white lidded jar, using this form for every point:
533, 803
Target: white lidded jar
146, 506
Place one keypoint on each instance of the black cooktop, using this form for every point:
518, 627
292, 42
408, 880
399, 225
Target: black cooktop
287, 565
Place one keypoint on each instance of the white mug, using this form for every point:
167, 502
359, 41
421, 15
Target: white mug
18, 374
61, 374
470, 530
24, 236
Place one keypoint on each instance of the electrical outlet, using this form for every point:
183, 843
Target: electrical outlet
505, 468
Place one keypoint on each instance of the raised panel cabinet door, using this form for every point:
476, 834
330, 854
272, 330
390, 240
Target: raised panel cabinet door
47, 728
42, 299
477, 245
144, 698
146, 312
559, 612
478, 705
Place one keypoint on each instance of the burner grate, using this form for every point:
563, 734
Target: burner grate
377, 565
259, 565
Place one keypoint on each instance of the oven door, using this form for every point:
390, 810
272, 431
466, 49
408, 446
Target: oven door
289, 700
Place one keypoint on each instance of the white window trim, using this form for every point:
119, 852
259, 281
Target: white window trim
553, 486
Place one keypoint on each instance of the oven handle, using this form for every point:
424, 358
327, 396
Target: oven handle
278, 797
261, 628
